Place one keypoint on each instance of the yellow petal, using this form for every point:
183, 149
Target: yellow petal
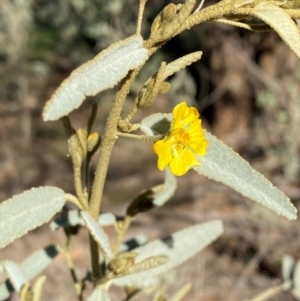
184, 115
182, 162
163, 150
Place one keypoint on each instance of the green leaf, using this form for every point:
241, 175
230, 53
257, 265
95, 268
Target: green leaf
73, 218
38, 261
104, 71
98, 234
281, 22
15, 274
27, 211
31, 267
287, 266
179, 247
223, 164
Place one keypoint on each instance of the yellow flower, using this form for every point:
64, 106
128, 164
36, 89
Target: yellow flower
185, 140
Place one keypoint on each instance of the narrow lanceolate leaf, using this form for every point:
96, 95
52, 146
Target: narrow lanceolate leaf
31, 267
296, 281
156, 196
27, 211
38, 261
133, 243
73, 218
102, 72
15, 274
99, 235
179, 247
99, 294
222, 164
156, 124
281, 22
287, 266
181, 63
168, 189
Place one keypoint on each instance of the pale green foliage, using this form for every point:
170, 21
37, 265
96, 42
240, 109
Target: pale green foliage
15, 274
102, 72
178, 247
296, 280
120, 63
98, 234
281, 22
30, 268
27, 211
222, 164
38, 261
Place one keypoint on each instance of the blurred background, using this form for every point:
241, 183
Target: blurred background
246, 88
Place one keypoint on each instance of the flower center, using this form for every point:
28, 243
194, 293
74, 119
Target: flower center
181, 139
180, 136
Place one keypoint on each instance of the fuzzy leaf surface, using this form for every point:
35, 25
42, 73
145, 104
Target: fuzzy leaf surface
223, 164
15, 274
179, 247
38, 261
281, 22
98, 234
27, 211
104, 71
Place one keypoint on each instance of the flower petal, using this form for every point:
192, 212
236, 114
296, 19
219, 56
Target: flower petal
182, 162
163, 150
184, 115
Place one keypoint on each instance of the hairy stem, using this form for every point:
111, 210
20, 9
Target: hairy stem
107, 144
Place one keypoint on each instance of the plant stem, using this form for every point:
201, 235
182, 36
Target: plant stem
94, 250
121, 234
107, 144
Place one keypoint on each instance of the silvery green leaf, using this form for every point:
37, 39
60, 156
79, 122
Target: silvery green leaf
73, 218
98, 234
179, 247
281, 22
131, 244
102, 72
5, 290
287, 266
38, 261
155, 196
27, 211
15, 274
99, 294
296, 277
66, 219
167, 190
155, 124
107, 219
223, 164
181, 63
31, 267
